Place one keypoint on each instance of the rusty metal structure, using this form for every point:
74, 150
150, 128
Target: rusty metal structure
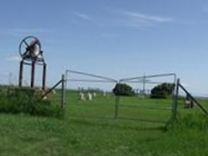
32, 55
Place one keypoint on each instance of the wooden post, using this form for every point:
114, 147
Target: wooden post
21, 73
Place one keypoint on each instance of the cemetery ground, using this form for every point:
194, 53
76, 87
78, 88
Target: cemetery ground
89, 128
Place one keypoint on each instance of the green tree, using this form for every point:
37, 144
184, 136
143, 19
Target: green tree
123, 90
162, 91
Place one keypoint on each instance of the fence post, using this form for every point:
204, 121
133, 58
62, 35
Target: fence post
62, 91
67, 93
175, 104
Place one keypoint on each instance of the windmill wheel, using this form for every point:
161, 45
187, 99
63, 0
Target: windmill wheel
30, 47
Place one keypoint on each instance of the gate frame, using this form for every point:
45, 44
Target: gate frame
103, 79
143, 79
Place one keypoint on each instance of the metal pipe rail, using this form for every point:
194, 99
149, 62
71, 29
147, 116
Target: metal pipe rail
146, 82
146, 107
91, 75
86, 80
150, 76
51, 89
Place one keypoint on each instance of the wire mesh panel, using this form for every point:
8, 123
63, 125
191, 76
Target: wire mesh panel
143, 109
90, 96
143, 106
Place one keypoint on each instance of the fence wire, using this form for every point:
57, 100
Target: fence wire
142, 107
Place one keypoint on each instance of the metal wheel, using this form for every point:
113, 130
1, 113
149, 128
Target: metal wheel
30, 48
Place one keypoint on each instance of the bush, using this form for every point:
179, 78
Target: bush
162, 91
26, 100
123, 90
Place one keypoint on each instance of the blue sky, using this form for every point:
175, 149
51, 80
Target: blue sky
116, 38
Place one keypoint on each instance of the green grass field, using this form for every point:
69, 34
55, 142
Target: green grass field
89, 128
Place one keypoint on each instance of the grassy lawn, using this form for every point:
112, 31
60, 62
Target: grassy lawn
89, 128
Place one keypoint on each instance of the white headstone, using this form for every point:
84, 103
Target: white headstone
89, 96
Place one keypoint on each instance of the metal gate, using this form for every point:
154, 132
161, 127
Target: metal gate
108, 106
81, 86
144, 108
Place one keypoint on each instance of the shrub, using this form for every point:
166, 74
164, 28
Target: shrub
162, 91
123, 90
26, 100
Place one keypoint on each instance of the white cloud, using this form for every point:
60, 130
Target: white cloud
82, 16
117, 17
141, 20
147, 18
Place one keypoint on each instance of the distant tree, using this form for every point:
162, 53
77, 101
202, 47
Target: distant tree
162, 91
123, 90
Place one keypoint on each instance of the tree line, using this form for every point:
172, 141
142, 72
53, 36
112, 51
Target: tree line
161, 91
